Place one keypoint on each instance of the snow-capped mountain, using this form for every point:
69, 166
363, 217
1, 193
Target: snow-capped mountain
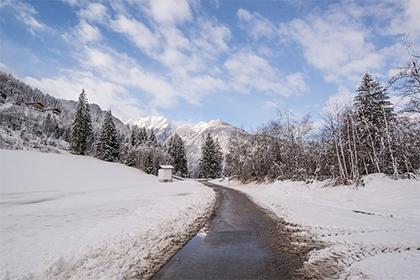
193, 135
161, 125
152, 122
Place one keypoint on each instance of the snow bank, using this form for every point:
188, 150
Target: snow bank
371, 231
76, 217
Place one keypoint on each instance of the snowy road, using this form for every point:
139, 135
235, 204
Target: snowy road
242, 241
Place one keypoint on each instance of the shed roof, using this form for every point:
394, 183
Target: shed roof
166, 167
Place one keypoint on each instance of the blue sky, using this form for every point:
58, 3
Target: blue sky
240, 61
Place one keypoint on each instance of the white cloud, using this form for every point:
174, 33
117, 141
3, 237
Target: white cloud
136, 31
106, 94
25, 13
3, 67
168, 12
270, 104
194, 88
94, 12
212, 38
191, 57
109, 78
339, 102
407, 21
341, 41
249, 72
87, 33
336, 44
125, 71
256, 25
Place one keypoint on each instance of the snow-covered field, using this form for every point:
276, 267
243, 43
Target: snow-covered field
371, 232
65, 216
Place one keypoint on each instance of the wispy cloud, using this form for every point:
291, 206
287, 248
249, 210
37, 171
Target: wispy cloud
26, 14
167, 12
256, 25
137, 32
94, 12
336, 43
87, 33
251, 73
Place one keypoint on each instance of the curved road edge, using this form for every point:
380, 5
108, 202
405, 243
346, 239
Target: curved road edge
180, 241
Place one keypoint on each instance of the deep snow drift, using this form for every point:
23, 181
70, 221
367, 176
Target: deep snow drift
371, 232
78, 217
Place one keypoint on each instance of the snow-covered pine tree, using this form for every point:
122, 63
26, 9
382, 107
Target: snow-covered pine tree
134, 136
374, 121
211, 160
82, 126
176, 149
142, 135
127, 154
149, 164
151, 140
107, 147
218, 159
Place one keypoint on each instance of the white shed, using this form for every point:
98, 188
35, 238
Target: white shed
165, 173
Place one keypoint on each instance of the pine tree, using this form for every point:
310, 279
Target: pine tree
374, 121
151, 140
177, 151
107, 147
142, 136
82, 126
218, 159
127, 155
48, 125
211, 159
149, 164
134, 136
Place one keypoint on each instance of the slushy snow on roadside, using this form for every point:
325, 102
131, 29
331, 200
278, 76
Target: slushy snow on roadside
76, 217
371, 232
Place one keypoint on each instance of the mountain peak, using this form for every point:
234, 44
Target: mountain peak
202, 126
152, 122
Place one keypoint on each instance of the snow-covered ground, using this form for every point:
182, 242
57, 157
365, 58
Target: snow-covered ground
372, 232
65, 216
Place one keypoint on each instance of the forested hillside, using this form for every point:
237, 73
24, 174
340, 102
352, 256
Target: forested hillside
26, 127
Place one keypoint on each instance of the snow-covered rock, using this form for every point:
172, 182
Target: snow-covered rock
76, 217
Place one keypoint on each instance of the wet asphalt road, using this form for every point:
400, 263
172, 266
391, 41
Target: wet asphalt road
242, 241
